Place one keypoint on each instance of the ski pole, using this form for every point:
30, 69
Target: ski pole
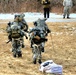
52, 41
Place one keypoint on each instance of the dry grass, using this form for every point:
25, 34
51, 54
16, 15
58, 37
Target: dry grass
64, 52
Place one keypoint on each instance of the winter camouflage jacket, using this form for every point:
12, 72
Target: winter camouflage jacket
67, 3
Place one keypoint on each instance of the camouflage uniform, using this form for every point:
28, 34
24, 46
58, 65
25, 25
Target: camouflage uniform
36, 53
67, 7
19, 20
16, 47
16, 43
40, 23
23, 25
36, 37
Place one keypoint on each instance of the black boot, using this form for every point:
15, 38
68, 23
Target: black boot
63, 17
14, 54
23, 45
19, 54
68, 18
42, 49
39, 61
34, 61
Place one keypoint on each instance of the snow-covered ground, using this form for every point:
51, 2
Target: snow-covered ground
30, 17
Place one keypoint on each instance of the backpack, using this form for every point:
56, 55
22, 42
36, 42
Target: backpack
46, 2
40, 23
37, 39
15, 31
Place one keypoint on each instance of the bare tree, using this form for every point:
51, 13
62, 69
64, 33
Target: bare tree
28, 5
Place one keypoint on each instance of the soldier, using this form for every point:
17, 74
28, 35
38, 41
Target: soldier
67, 7
17, 40
15, 34
23, 25
46, 6
37, 37
40, 23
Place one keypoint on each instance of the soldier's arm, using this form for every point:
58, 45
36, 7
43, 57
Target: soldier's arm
24, 22
32, 30
71, 3
25, 25
25, 34
46, 27
8, 29
64, 3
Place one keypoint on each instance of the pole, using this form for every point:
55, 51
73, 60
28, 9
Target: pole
52, 41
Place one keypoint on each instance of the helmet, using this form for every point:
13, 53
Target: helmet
22, 15
17, 15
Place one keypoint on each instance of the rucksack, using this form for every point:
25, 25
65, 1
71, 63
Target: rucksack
37, 39
40, 23
46, 2
15, 31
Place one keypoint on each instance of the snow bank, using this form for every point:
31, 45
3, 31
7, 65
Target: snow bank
30, 17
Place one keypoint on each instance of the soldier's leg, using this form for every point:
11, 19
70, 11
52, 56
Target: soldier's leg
34, 54
68, 12
42, 46
65, 12
44, 12
13, 47
19, 49
39, 55
48, 12
22, 42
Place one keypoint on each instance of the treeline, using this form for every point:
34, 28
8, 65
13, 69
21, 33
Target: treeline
7, 6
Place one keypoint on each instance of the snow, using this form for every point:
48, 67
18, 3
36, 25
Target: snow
31, 17
6, 16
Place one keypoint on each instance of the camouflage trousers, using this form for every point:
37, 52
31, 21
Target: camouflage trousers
36, 52
67, 11
16, 46
43, 44
22, 41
